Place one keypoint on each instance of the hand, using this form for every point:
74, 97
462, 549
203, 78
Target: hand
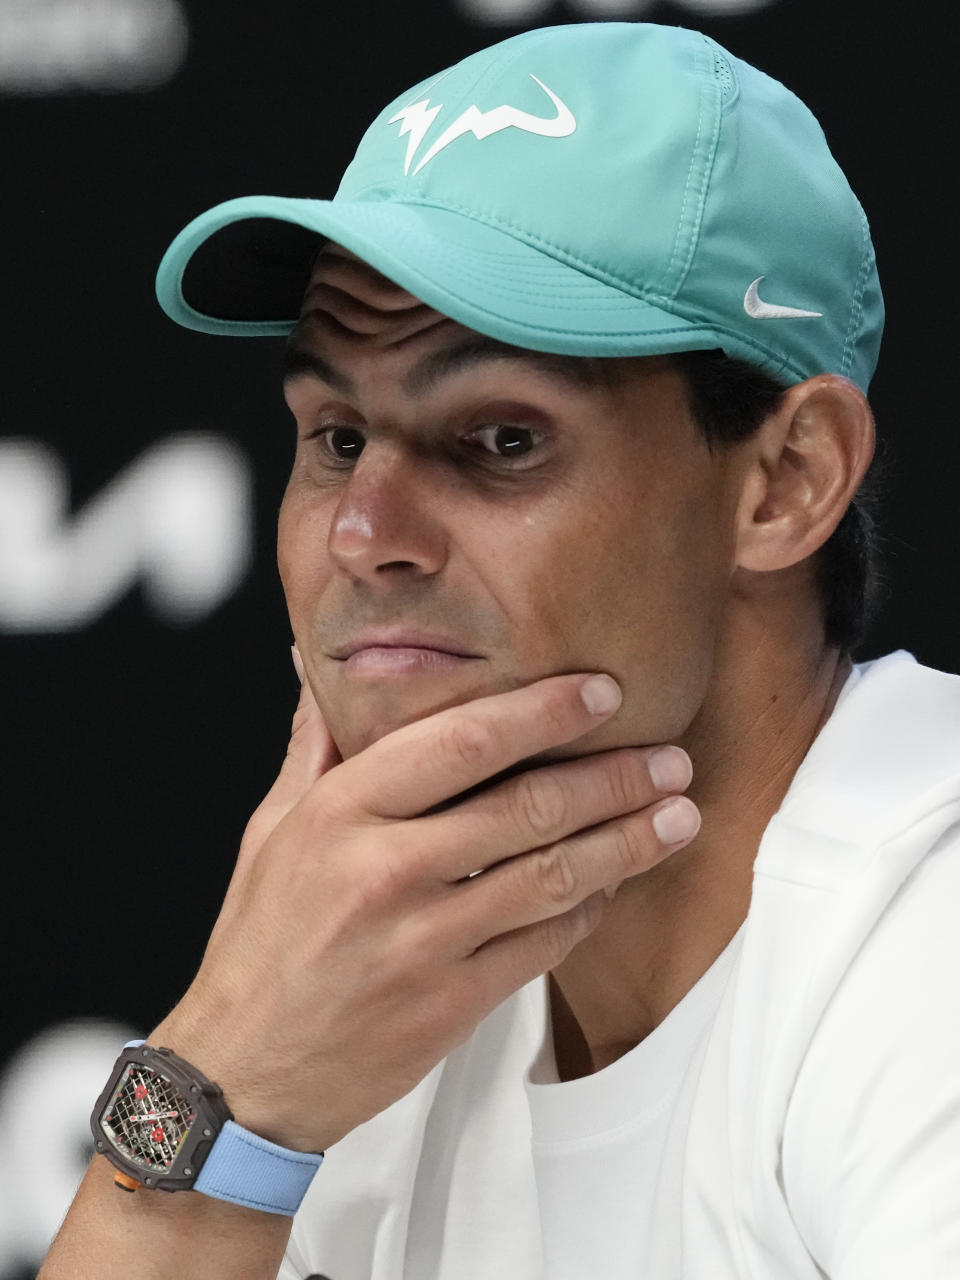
356, 947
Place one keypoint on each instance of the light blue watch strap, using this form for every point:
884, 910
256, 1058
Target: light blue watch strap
249, 1170
246, 1169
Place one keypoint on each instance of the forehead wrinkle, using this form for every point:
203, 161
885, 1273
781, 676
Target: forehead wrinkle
476, 349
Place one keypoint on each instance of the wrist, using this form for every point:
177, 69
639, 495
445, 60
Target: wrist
255, 1094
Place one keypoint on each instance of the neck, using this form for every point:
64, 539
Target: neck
667, 927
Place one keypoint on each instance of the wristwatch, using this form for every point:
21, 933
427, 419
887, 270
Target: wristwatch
164, 1126
156, 1120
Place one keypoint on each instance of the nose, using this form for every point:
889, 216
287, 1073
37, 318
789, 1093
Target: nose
387, 520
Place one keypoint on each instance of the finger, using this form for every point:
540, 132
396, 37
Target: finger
422, 764
311, 752
552, 881
545, 805
511, 960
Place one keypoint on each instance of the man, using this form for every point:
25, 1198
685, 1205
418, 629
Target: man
551, 561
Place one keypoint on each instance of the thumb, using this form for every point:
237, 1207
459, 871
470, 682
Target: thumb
311, 753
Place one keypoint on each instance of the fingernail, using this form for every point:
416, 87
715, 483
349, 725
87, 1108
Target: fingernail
600, 695
678, 820
670, 769
297, 662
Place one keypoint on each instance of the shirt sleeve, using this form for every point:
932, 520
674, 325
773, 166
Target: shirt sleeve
871, 1145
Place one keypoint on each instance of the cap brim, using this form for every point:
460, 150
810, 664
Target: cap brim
242, 267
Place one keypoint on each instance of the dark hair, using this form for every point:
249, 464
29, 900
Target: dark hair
729, 399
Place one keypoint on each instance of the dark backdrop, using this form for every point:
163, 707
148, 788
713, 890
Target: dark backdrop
143, 721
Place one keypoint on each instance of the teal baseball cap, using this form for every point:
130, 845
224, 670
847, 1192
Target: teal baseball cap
597, 189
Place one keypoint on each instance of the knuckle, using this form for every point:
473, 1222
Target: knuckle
416, 944
629, 849
623, 779
542, 803
562, 710
558, 879
559, 937
329, 812
381, 880
471, 741
562, 933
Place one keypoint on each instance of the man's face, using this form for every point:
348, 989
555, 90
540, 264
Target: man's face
543, 516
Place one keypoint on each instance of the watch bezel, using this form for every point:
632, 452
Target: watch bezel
210, 1115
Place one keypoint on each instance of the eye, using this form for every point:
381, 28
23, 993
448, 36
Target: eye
341, 444
506, 441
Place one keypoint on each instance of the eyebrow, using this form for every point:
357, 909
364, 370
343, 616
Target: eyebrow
584, 372
298, 360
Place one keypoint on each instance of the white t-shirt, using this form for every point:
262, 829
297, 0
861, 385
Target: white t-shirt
796, 1115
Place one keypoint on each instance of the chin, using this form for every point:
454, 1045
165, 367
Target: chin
373, 713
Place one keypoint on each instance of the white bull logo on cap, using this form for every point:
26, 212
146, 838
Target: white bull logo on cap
417, 119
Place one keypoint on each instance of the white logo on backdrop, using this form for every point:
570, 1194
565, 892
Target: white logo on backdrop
56, 46
417, 119
47, 1092
177, 521
506, 12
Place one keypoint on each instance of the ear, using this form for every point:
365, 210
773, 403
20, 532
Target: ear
804, 466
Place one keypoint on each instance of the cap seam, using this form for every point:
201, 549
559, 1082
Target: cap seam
658, 299
530, 237
280, 328
856, 308
706, 166
700, 323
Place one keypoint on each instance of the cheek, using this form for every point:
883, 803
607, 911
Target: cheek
633, 585
302, 536
552, 574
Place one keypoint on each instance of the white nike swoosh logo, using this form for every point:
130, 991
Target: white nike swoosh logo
417, 118
755, 307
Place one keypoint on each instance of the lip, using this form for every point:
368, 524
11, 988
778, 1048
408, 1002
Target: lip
401, 660
407, 640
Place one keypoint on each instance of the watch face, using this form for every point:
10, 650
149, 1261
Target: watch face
147, 1118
